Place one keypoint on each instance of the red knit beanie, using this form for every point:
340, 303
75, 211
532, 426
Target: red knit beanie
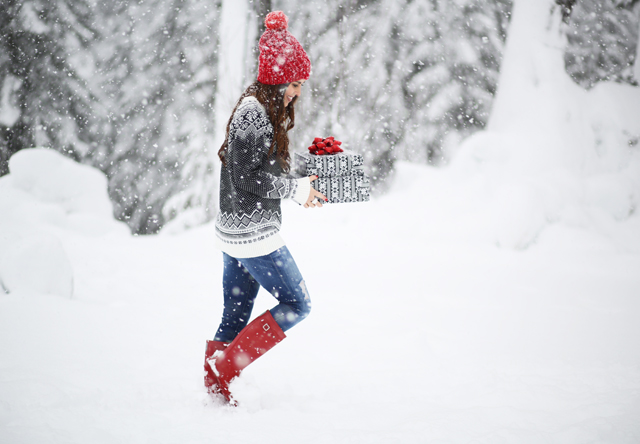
282, 59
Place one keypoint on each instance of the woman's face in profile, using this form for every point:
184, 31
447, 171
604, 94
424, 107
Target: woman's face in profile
293, 90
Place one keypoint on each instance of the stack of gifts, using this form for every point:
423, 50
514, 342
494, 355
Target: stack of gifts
340, 173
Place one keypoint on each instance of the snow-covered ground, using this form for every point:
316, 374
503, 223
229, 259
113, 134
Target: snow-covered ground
429, 324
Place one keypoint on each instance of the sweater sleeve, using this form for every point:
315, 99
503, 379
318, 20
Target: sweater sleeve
248, 154
301, 193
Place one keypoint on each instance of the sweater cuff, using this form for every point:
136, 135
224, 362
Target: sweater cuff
301, 194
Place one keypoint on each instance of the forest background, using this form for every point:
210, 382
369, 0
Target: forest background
140, 89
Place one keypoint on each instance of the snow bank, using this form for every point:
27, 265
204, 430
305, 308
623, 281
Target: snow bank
552, 152
36, 262
46, 196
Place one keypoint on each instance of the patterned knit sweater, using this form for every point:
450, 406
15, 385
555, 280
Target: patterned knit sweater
252, 185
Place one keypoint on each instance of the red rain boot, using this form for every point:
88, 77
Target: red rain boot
257, 338
210, 378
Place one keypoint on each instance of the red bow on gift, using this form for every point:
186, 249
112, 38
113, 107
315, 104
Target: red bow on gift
322, 146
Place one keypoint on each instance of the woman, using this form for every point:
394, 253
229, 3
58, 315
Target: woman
255, 155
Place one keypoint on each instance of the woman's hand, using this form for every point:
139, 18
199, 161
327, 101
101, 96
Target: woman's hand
315, 197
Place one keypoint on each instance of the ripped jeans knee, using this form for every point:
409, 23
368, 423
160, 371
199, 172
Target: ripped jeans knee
291, 311
294, 304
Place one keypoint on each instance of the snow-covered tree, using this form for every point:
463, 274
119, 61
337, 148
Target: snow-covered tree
399, 79
602, 41
126, 87
45, 99
156, 74
452, 71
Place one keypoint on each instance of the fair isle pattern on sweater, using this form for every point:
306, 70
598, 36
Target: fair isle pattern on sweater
251, 184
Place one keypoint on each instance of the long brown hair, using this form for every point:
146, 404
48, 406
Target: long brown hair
282, 118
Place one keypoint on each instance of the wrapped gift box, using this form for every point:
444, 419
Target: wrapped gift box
340, 164
343, 189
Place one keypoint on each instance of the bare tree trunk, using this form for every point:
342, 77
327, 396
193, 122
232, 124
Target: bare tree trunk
567, 7
536, 99
259, 11
263, 7
636, 62
232, 58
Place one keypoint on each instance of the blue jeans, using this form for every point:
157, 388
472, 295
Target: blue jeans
278, 274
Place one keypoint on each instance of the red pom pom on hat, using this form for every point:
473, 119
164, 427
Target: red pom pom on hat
276, 20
